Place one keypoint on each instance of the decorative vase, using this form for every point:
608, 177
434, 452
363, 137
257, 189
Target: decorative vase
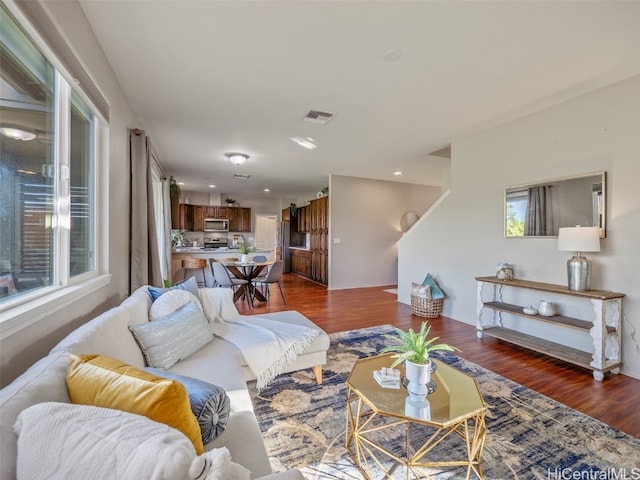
418, 375
504, 271
245, 258
546, 309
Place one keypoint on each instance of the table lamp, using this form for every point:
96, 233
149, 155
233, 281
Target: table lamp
579, 239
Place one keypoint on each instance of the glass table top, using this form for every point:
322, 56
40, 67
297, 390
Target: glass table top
457, 394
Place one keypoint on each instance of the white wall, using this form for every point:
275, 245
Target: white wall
23, 348
365, 215
463, 237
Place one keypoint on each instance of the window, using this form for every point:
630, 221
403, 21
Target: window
81, 176
516, 205
47, 173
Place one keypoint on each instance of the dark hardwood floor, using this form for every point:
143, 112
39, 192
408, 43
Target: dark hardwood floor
614, 401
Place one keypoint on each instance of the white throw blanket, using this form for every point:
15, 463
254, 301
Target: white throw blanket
267, 346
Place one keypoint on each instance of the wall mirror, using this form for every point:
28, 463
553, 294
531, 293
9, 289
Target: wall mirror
540, 209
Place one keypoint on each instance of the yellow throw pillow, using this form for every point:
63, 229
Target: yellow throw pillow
106, 382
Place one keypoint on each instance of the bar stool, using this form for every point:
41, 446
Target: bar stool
195, 264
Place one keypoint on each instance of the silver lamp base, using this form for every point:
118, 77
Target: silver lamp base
579, 273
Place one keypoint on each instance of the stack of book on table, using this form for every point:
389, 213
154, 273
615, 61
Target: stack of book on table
387, 377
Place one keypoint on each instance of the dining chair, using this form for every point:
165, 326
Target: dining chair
195, 264
259, 258
274, 275
211, 262
223, 279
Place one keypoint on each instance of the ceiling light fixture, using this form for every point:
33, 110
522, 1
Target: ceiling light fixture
267, 190
397, 173
237, 158
212, 186
18, 133
306, 142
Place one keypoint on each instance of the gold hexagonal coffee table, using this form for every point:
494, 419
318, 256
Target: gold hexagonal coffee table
379, 419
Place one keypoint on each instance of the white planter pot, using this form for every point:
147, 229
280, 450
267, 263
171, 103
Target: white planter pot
418, 376
245, 258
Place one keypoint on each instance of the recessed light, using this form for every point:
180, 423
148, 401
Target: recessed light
306, 142
267, 190
212, 186
180, 183
397, 173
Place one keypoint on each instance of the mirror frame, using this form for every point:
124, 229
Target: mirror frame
602, 207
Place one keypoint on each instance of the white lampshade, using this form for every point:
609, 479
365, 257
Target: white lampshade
579, 239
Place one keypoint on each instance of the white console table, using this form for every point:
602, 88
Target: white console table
605, 328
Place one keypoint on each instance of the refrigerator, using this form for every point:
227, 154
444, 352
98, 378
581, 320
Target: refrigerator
282, 245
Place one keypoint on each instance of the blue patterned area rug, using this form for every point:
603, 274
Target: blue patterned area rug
529, 435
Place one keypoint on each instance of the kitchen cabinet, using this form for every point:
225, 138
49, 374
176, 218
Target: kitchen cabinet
300, 262
239, 219
215, 211
191, 217
604, 326
303, 216
319, 239
186, 217
198, 218
286, 215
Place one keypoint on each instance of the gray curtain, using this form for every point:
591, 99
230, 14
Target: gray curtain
144, 255
165, 254
539, 215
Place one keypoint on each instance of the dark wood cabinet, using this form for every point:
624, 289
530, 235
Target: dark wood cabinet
319, 239
286, 215
314, 220
191, 217
301, 262
302, 219
213, 211
198, 218
239, 219
186, 217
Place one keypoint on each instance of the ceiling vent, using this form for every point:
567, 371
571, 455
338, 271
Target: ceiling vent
241, 177
317, 116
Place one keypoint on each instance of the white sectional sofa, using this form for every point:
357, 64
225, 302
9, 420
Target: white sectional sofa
219, 363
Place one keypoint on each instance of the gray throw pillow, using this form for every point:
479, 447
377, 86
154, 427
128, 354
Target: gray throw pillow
209, 403
166, 341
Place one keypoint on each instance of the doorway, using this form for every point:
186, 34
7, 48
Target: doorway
266, 227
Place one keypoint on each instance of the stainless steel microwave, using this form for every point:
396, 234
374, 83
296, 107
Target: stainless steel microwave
216, 225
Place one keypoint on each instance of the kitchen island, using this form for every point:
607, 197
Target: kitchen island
180, 253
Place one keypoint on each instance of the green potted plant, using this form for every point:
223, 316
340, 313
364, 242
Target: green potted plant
245, 249
177, 238
293, 209
413, 349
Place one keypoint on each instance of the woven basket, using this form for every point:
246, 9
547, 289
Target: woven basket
426, 307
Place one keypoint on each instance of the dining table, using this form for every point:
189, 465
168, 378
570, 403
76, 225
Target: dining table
248, 271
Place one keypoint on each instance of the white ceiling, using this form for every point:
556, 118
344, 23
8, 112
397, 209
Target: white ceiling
210, 77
